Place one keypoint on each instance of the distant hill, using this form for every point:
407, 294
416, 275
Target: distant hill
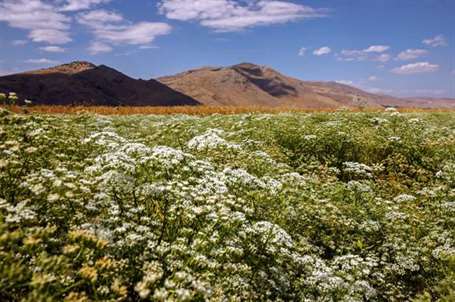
83, 83
426, 102
249, 84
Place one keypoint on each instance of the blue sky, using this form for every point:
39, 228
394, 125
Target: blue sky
397, 47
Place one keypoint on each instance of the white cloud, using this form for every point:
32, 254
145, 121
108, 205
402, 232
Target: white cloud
75, 5
322, 51
99, 19
302, 51
234, 15
19, 42
420, 67
110, 29
345, 82
351, 55
437, 41
412, 54
374, 53
372, 78
51, 36
41, 61
377, 48
97, 47
383, 58
136, 34
53, 49
42, 20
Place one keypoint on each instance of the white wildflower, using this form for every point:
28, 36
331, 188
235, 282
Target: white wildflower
210, 140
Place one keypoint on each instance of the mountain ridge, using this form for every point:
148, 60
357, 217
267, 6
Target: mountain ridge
250, 84
245, 84
83, 83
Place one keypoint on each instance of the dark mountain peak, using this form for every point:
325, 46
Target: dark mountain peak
83, 83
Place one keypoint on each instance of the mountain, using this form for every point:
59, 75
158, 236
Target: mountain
248, 84
252, 85
426, 102
83, 83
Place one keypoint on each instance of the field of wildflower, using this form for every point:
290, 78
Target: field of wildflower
338, 206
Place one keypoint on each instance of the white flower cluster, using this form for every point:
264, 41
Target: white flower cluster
358, 169
211, 140
404, 198
92, 211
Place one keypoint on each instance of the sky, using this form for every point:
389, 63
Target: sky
396, 47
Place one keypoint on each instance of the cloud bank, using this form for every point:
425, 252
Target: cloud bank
416, 68
230, 15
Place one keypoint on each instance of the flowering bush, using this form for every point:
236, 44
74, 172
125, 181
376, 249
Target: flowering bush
8, 99
287, 207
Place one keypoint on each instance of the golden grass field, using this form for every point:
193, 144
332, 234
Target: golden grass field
190, 110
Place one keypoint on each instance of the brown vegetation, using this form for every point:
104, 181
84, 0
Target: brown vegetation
189, 110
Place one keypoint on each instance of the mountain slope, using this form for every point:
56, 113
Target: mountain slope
248, 84
251, 85
82, 83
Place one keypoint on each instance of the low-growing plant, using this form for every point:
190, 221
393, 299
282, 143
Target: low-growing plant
335, 206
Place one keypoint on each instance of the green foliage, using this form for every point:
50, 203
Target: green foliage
289, 207
3, 98
8, 99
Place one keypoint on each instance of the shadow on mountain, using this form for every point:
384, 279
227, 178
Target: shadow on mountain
81, 83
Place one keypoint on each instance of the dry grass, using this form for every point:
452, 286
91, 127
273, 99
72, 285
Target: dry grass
126, 110
190, 110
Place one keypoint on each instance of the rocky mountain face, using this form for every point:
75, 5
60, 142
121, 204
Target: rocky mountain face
250, 85
83, 83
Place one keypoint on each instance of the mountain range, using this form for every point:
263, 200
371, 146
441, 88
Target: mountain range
246, 84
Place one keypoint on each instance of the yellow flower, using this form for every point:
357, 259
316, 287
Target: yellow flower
89, 273
31, 241
41, 279
76, 297
119, 289
3, 163
104, 263
70, 248
85, 235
